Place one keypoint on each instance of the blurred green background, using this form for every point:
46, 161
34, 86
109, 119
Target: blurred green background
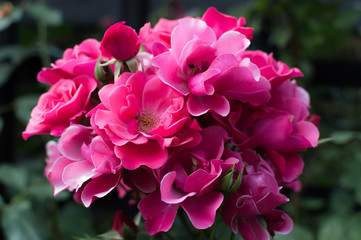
321, 37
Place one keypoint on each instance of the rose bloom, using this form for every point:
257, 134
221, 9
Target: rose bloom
64, 104
210, 70
76, 61
81, 161
275, 71
191, 180
142, 117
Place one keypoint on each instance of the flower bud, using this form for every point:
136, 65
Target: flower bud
228, 184
120, 42
102, 73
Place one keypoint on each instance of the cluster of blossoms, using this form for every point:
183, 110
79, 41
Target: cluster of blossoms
183, 114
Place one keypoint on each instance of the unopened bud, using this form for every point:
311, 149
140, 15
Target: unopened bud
103, 73
232, 180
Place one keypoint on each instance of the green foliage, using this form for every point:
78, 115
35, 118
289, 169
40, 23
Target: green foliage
31, 211
303, 30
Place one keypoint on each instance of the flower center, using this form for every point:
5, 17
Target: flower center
147, 122
194, 69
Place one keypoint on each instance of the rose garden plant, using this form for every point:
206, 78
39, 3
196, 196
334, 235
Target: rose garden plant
183, 117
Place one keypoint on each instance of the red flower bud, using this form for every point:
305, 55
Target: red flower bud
120, 42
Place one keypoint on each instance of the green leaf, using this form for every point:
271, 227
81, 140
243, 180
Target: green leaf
15, 16
42, 13
342, 137
76, 220
20, 221
41, 191
339, 227
341, 201
24, 106
13, 177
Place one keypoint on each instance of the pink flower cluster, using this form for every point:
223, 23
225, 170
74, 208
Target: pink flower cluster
195, 120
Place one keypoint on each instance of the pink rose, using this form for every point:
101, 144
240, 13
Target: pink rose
142, 117
291, 98
259, 194
210, 69
73, 164
191, 180
120, 42
66, 103
278, 131
281, 125
76, 61
275, 71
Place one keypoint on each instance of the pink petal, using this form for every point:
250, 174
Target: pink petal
200, 179
143, 179
199, 105
90, 47
294, 167
308, 131
202, 210
72, 140
218, 21
251, 229
77, 173
55, 174
159, 216
232, 42
99, 187
212, 144
167, 63
278, 222
150, 154
169, 191
189, 29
